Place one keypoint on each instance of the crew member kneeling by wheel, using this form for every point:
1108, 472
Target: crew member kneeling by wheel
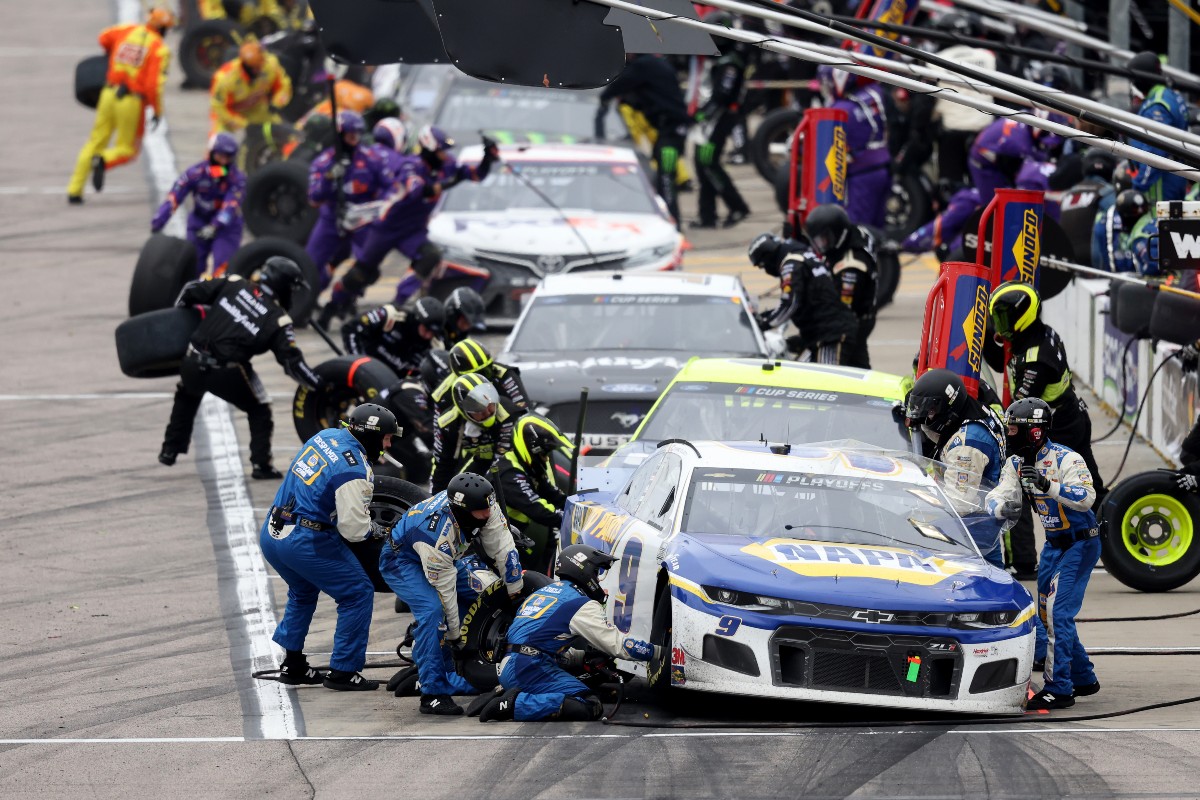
326, 497
1057, 481
428, 565
533, 685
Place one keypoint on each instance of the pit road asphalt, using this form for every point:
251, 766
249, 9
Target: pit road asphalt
131, 611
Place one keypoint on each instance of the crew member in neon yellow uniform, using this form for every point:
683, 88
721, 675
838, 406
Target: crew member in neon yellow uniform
248, 89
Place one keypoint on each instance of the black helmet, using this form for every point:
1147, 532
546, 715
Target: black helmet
937, 403
427, 311
1028, 422
435, 366
766, 252
1131, 206
1146, 61
958, 24
1098, 163
1056, 76
369, 424
1013, 307
1122, 177
827, 227
536, 437
464, 305
467, 493
469, 356
476, 397
383, 108
584, 566
279, 276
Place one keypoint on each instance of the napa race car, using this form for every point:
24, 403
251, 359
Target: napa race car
815, 573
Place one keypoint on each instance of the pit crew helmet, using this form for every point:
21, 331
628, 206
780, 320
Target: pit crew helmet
536, 437
279, 277
371, 424
765, 253
1013, 307
391, 133
937, 403
427, 311
222, 143
1131, 206
252, 56
1028, 422
160, 20
464, 303
467, 493
1098, 163
1146, 61
434, 139
584, 566
827, 227
469, 356
476, 397
1122, 177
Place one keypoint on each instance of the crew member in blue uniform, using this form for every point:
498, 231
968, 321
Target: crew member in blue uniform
428, 564
533, 685
1058, 483
325, 498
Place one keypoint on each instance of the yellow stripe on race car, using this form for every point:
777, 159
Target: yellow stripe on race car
1024, 615
690, 587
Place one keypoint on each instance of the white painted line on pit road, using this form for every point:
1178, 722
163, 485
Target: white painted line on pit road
277, 719
483, 737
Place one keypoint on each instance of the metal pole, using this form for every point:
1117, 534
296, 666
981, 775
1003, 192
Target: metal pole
1118, 35
1179, 38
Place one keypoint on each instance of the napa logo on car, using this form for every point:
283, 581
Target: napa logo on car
829, 559
1026, 250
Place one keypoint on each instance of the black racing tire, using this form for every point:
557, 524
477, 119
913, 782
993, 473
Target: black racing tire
887, 277
152, 345
250, 257
658, 671
1175, 319
91, 75
1148, 525
359, 379
1133, 309
204, 48
908, 207
783, 187
775, 129
264, 144
276, 202
392, 498
163, 268
1054, 244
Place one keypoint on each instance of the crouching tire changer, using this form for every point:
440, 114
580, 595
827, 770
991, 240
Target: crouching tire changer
533, 684
428, 566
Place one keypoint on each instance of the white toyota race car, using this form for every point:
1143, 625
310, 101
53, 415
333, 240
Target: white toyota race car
814, 573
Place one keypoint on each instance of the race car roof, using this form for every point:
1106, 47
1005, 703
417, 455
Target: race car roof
650, 283
569, 153
792, 375
812, 459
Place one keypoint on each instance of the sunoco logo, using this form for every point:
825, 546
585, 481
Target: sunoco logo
973, 329
1027, 249
835, 163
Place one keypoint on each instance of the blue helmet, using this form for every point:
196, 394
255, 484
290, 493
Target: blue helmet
350, 122
434, 139
223, 143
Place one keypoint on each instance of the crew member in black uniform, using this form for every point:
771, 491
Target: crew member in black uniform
400, 338
649, 84
720, 115
464, 316
533, 502
475, 430
245, 318
810, 299
849, 252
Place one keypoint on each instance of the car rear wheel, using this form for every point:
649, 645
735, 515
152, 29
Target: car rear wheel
391, 500
658, 671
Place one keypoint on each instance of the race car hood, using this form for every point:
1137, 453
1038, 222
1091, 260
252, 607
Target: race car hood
548, 232
890, 577
634, 375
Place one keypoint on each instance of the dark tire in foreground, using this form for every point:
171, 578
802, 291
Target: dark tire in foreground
358, 379
164, 266
770, 147
91, 76
152, 345
391, 501
1148, 526
658, 671
276, 202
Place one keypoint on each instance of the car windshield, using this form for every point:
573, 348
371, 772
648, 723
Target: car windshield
520, 114
730, 412
819, 507
608, 322
607, 188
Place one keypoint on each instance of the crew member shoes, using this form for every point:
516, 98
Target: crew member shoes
1086, 689
167, 456
348, 682
298, 673
1045, 701
98, 173
501, 708
262, 472
442, 705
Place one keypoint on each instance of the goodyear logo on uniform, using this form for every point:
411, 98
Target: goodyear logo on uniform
835, 163
1027, 249
973, 328
827, 560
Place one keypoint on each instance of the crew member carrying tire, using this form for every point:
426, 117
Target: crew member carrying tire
427, 563
811, 300
399, 338
245, 318
137, 71
848, 252
403, 223
533, 684
1057, 481
214, 226
326, 498
338, 178
248, 90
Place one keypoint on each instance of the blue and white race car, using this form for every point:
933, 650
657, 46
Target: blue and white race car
810, 573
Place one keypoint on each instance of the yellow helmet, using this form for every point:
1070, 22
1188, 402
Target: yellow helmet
469, 356
1013, 307
160, 19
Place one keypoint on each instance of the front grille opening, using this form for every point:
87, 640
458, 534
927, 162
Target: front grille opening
792, 663
855, 671
941, 677
995, 675
734, 656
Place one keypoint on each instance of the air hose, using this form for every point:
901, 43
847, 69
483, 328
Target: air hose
1138, 415
1124, 387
